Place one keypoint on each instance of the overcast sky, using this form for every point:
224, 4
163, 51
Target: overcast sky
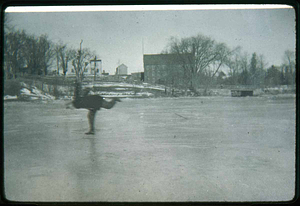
117, 36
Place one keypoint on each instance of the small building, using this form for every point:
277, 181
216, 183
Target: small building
121, 70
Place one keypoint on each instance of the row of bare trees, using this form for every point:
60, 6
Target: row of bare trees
207, 60
78, 58
28, 54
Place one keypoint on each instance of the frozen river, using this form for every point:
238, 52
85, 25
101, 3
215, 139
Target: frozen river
171, 149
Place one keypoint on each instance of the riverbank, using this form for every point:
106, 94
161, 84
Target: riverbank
35, 90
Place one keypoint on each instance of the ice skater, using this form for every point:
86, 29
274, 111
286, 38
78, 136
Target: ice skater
91, 102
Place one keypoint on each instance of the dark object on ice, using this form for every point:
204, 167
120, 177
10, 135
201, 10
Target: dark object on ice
241, 92
91, 102
181, 116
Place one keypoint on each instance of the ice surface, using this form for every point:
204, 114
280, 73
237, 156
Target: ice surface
161, 149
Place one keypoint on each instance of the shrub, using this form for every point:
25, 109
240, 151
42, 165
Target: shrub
56, 92
12, 87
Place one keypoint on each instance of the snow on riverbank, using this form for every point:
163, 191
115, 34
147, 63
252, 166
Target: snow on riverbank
26, 95
126, 90
122, 85
9, 97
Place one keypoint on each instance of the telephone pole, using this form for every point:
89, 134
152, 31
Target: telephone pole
95, 68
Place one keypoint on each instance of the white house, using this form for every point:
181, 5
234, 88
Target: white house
121, 70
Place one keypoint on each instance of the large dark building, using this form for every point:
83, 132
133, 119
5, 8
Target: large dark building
159, 67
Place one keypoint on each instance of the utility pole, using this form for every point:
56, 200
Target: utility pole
79, 52
95, 68
57, 63
79, 66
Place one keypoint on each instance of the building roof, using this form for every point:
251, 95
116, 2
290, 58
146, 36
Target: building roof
166, 59
122, 65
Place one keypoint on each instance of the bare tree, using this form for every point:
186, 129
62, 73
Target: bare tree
244, 76
14, 58
30, 52
7, 22
63, 57
205, 58
203, 54
56, 50
38, 53
289, 58
233, 62
289, 65
222, 53
45, 53
261, 66
80, 62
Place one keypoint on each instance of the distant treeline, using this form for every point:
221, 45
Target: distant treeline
32, 55
203, 62
26, 54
